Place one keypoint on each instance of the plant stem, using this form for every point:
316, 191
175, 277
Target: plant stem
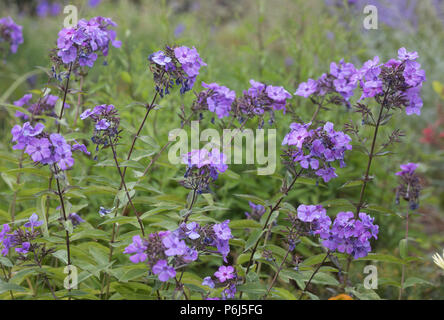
273, 209
14, 197
370, 158
63, 211
193, 200
79, 101
406, 244
125, 187
367, 172
64, 96
277, 273
314, 273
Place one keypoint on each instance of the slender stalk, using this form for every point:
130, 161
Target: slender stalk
64, 96
190, 208
79, 101
44, 276
14, 197
125, 187
367, 171
370, 157
277, 273
406, 243
313, 274
65, 218
7, 279
273, 209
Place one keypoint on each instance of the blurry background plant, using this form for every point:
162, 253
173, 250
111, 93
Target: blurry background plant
283, 43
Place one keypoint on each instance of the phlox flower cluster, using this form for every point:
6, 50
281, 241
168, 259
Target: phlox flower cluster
83, 44
20, 239
217, 99
257, 211
106, 127
316, 218
165, 251
178, 65
399, 80
44, 106
44, 148
409, 186
11, 34
350, 235
342, 79
259, 99
317, 149
346, 234
203, 168
226, 277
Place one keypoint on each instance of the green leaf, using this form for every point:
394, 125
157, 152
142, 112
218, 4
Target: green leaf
251, 198
245, 223
253, 287
310, 182
61, 255
381, 257
352, 183
5, 286
6, 262
253, 238
413, 281
133, 274
283, 294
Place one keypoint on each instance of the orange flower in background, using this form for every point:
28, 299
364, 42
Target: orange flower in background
341, 296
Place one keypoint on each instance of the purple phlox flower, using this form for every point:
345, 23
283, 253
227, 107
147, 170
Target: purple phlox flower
189, 59
11, 32
229, 292
296, 136
207, 281
190, 255
24, 249
75, 219
257, 210
407, 169
220, 100
224, 273
174, 246
81, 147
326, 173
403, 54
86, 114
222, 230
163, 270
138, 247
160, 58
103, 211
102, 124
279, 95
310, 213
191, 230
33, 222
306, 89
38, 149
